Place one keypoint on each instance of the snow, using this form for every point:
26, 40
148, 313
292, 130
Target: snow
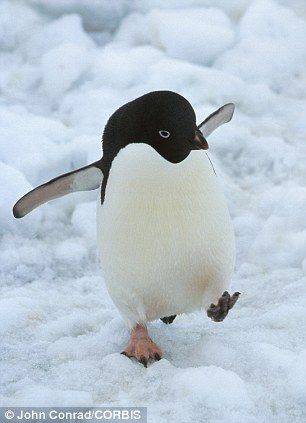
268, 30
297, 378
14, 184
65, 66
203, 34
62, 67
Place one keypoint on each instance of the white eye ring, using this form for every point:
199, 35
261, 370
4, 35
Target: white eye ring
163, 133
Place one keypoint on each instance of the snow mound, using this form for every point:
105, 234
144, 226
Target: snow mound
211, 386
62, 66
201, 35
271, 46
297, 378
18, 186
67, 29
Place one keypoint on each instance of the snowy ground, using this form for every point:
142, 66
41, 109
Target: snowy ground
65, 66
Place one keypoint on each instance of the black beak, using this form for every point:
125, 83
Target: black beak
199, 141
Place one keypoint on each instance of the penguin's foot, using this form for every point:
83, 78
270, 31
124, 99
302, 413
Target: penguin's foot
168, 320
218, 312
141, 346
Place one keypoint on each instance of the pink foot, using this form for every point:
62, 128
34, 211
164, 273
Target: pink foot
141, 346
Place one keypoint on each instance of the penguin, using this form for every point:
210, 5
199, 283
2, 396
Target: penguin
164, 232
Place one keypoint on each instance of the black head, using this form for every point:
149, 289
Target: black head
162, 119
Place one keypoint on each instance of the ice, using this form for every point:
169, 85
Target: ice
62, 67
211, 386
47, 397
24, 18
98, 15
66, 29
201, 34
70, 250
65, 66
297, 378
11, 177
84, 219
271, 46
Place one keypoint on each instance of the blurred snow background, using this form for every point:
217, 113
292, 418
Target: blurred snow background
65, 66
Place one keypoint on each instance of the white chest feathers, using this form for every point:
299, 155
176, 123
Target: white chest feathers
164, 232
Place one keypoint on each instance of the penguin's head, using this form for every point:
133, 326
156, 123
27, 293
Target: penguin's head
162, 119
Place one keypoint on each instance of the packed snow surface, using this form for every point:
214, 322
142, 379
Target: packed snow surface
65, 66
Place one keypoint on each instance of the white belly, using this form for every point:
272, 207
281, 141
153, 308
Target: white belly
164, 232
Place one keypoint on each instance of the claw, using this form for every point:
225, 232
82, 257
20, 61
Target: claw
234, 299
224, 302
143, 361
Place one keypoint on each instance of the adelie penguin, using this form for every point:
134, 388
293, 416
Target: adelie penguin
165, 236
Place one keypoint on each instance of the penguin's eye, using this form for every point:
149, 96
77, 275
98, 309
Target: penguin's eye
163, 133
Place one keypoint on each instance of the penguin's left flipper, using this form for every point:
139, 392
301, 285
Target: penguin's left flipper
84, 179
218, 312
217, 118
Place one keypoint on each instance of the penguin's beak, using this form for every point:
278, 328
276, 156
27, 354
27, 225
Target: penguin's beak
199, 141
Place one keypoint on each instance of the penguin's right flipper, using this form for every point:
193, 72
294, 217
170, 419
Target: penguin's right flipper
84, 179
168, 320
